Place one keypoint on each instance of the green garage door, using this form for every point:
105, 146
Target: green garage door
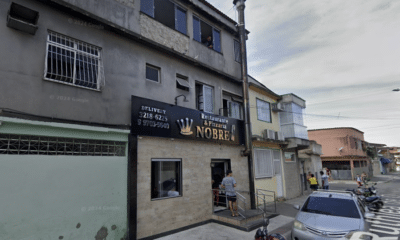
62, 187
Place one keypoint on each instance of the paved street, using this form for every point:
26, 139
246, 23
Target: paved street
385, 224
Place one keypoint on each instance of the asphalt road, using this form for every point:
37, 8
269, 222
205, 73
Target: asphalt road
386, 223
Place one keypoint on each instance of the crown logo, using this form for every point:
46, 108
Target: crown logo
185, 126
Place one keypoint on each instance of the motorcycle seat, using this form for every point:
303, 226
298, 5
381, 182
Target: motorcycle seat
370, 199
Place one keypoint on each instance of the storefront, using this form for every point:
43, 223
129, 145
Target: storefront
179, 152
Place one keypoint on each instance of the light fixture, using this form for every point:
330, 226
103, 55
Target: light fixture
396, 90
176, 99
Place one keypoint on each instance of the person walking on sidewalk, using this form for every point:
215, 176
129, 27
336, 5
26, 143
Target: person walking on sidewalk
313, 183
325, 182
358, 180
229, 184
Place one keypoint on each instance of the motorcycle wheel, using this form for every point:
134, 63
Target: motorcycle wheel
380, 204
376, 206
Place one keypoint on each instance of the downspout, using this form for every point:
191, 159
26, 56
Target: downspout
245, 83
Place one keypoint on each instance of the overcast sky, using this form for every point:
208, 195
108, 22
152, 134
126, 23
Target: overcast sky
341, 57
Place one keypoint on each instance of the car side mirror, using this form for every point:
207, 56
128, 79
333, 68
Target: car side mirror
297, 207
369, 215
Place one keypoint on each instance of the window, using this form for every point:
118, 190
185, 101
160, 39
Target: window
73, 62
43, 145
232, 106
263, 111
152, 73
166, 12
205, 98
182, 82
264, 163
166, 179
290, 156
207, 35
331, 206
236, 47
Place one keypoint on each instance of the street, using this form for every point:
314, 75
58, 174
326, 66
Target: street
386, 223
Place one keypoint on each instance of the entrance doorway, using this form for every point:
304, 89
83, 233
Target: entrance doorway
218, 171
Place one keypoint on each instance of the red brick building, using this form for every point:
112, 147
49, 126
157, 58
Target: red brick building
343, 151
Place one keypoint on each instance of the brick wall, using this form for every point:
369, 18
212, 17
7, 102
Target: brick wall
195, 205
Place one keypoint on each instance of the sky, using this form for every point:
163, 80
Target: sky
341, 57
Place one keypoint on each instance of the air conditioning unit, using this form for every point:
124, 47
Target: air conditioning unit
279, 136
277, 107
269, 134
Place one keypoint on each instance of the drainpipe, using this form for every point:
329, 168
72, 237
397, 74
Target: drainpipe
248, 144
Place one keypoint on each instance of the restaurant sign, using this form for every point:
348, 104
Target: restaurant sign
153, 118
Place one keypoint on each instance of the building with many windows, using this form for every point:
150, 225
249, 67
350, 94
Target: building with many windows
115, 115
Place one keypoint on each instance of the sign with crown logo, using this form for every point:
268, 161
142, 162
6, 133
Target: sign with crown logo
154, 118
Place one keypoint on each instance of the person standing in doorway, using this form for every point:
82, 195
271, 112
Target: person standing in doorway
325, 182
229, 184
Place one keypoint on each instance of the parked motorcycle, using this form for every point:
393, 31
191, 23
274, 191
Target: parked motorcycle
262, 233
366, 192
373, 203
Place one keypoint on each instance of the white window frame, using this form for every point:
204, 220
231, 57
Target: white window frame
264, 168
94, 55
230, 109
261, 110
206, 101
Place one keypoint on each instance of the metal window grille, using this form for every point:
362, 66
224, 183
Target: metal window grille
42, 145
73, 62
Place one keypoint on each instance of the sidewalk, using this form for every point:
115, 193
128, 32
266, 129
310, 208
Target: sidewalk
379, 179
280, 224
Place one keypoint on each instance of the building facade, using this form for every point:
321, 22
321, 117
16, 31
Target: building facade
344, 151
278, 135
79, 79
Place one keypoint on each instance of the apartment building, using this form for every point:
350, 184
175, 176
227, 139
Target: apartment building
115, 115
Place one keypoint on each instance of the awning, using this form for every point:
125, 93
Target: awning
385, 160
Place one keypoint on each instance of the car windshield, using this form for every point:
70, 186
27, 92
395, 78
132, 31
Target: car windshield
331, 206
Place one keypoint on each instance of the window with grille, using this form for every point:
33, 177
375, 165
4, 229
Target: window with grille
264, 163
166, 12
263, 111
73, 62
42, 145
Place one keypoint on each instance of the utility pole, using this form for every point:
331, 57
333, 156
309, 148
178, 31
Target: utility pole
248, 144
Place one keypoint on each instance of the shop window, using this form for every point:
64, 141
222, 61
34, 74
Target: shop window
290, 156
206, 34
152, 73
263, 111
165, 12
264, 166
73, 62
205, 98
166, 179
236, 48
